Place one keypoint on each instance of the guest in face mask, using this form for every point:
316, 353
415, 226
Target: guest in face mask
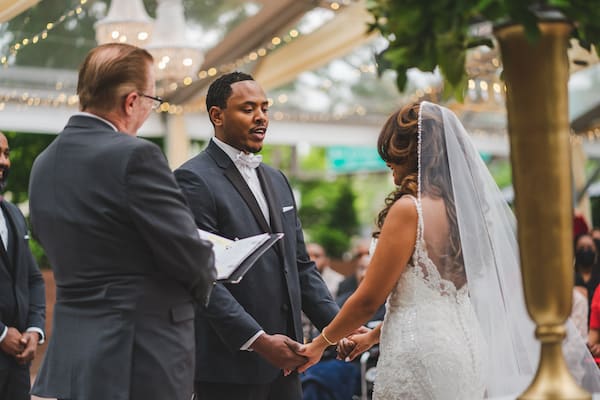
587, 274
596, 236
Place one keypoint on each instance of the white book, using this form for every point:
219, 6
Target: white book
233, 258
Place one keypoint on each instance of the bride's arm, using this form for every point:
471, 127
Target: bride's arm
394, 248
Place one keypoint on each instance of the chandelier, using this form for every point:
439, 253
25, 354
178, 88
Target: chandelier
126, 22
174, 58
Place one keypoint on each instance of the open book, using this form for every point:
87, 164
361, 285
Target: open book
233, 258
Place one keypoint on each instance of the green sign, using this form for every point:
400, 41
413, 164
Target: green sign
344, 159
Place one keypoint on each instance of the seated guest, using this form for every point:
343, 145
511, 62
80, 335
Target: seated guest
587, 273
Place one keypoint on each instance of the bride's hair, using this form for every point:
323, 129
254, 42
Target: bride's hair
397, 144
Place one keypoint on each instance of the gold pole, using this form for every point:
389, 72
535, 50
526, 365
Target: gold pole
536, 75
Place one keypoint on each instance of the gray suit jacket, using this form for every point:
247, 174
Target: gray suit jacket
271, 295
128, 264
22, 290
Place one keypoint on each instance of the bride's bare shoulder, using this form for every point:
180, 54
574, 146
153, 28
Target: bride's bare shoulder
404, 208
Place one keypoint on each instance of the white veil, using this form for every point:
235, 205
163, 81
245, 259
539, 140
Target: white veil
487, 247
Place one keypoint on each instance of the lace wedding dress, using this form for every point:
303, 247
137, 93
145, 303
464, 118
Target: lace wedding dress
431, 346
456, 326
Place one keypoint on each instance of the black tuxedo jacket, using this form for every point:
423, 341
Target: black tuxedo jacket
22, 291
271, 295
128, 264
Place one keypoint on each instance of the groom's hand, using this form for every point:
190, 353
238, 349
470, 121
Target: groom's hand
279, 350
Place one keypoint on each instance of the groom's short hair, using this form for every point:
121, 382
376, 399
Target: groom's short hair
220, 90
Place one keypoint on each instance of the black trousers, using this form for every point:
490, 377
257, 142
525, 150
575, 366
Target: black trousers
282, 388
15, 383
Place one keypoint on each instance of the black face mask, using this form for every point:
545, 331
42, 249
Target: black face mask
585, 257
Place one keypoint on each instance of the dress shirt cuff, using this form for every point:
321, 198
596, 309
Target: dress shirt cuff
246, 346
3, 335
38, 330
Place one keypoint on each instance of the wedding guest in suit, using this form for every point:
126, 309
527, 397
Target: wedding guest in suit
246, 333
126, 255
22, 296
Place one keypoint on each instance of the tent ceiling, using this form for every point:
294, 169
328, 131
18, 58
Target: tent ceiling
11, 8
272, 19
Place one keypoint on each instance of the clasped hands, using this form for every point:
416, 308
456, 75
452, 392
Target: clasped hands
21, 346
289, 355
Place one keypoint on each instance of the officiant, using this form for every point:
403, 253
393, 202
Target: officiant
246, 335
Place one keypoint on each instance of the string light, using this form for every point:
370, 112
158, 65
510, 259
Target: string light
251, 57
35, 39
63, 99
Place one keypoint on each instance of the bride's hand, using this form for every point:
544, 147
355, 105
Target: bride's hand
313, 352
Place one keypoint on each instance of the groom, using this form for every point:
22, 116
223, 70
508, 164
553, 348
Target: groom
246, 334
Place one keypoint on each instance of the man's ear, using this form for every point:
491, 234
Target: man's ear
128, 103
216, 115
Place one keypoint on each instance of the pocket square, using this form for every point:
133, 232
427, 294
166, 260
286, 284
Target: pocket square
287, 208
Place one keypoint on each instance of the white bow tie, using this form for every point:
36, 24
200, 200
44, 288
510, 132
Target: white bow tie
248, 160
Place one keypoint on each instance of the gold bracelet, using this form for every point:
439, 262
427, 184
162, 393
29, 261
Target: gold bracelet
329, 342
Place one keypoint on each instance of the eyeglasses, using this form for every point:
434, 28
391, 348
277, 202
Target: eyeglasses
156, 101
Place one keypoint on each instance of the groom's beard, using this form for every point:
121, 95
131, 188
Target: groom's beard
4, 178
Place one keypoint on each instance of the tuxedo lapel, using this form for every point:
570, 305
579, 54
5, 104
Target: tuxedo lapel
273, 203
13, 235
233, 174
241, 186
3, 252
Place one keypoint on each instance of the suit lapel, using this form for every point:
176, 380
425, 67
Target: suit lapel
3, 252
241, 186
273, 203
233, 174
13, 234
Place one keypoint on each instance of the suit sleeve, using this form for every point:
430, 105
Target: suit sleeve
37, 295
227, 317
164, 221
317, 302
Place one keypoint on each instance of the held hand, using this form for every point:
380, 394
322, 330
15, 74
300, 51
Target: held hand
313, 352
30, 339
344, 348
362, 342
13, 343
279, 350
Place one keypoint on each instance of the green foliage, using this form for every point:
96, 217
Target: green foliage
39, 254
328, 213
426, 34
501, 171
24, 147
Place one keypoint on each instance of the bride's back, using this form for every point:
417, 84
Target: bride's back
441, 242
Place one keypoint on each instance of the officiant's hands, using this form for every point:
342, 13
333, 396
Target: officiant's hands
279, 350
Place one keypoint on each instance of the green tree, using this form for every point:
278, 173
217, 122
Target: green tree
427, 34
24, 147
328, 213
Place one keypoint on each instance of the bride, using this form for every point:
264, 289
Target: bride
446, 260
